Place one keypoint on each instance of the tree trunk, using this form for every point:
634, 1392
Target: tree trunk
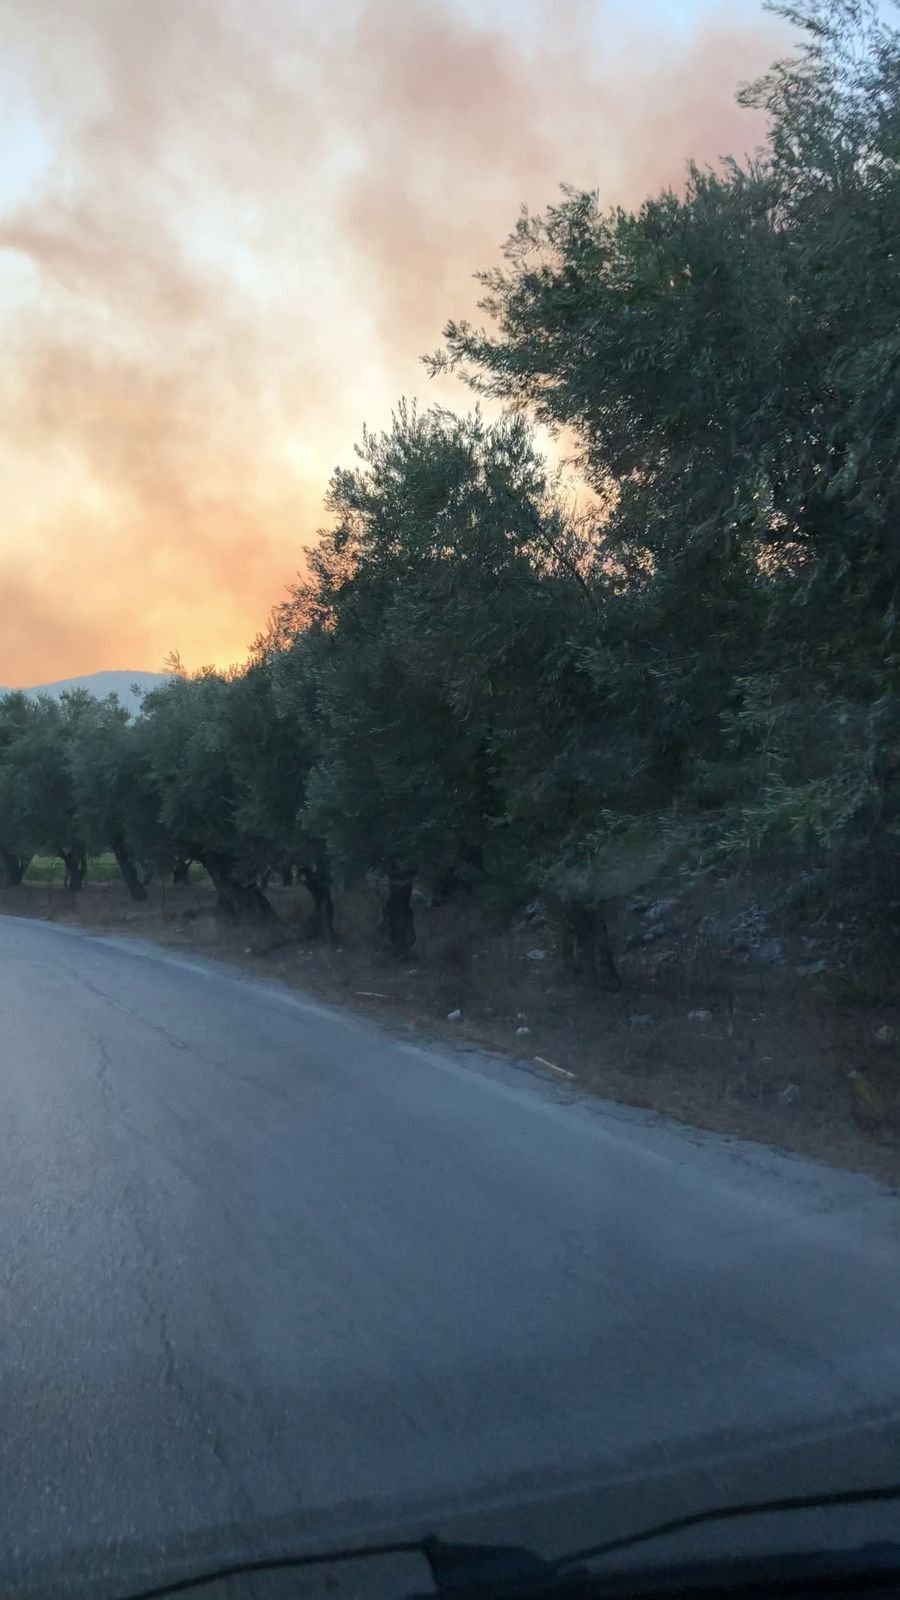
448, 887
75, 862
586, 943
458, 878
398, 921
181, 870
14, 868
126, 866
287, 877
315, 880
239, 902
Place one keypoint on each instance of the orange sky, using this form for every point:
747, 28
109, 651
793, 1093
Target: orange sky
227, 233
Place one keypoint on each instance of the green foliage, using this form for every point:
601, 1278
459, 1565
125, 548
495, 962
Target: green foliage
272, 741
479, 687
186, 737
116, 795
727, 360
417, 618
38, 807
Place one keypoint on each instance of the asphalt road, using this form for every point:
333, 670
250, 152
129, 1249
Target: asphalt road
266, 1269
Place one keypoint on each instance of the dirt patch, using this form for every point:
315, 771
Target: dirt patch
804, 1062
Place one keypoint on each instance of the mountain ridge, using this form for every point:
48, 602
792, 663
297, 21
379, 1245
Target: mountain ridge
118, 681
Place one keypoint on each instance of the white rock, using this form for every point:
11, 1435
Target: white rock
454, 1016
885, 1034
658, 908
700, 1016
537, 955
521, 1031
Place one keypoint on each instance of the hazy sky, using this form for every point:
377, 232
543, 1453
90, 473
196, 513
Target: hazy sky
229, 229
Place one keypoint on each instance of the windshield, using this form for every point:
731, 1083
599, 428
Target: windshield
449, 1019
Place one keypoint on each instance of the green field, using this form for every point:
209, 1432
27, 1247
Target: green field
49, 869
101, 869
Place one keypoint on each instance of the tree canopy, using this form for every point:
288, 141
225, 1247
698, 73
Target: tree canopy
483, 683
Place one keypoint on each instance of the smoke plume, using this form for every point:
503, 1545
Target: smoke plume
227, 233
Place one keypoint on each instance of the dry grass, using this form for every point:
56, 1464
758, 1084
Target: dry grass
764, 1057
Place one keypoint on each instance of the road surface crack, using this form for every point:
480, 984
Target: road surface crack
173, 1039
148, 1281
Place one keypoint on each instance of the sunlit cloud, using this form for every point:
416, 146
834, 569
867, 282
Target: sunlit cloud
227, 233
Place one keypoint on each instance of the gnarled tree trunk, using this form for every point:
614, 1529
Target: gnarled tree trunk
586, 944
14, 868
125, 864
181, 870
398, 922
315, 880
238, 900
74, 859
287, 877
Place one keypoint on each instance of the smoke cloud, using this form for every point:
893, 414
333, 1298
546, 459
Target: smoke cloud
228, 232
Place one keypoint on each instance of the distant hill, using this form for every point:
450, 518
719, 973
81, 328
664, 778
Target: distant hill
101, 684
